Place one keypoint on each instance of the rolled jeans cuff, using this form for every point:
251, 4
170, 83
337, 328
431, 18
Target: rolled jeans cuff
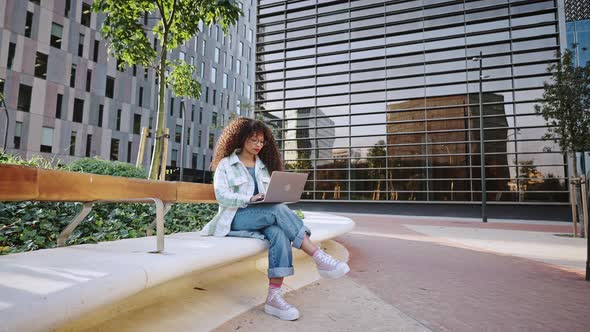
300, 236
279, 272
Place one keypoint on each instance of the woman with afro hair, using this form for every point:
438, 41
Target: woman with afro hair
245, 156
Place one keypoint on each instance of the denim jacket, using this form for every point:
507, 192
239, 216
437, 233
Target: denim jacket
234, 187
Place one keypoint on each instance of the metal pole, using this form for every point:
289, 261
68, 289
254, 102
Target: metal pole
182, 115
484, 216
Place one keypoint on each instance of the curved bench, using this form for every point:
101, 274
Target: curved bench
45, 289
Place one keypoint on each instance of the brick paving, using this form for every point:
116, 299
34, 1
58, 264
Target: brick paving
450, 288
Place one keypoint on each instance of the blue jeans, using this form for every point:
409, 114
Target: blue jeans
281, 227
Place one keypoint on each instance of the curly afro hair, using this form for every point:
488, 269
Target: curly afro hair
234, 137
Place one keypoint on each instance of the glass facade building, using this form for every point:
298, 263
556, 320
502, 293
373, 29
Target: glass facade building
379, 100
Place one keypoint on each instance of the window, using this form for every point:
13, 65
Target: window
249, 92
85, 19
171, 106
250, 35
204, 46
174, 158
67, 8
134, 70
241, 49
114, 155
46, 139
11, 52
81, 45
224, 80
73, 76
193, 109
241, 88
29, 24
100, 115
216, 55
238, 66
206, 94
18, 133
199, 138
78, 110
194, 161
58, 105
178, 134
41, 65
73, 143
110, 89
200, 115
88, 79
181, 56
88, 145
137, 124
129, 148
213, 74
214, 96
145, 72
95, 51
214, 118
118, 124
140, 101
235, 85
202, 70
56, 35
24, 97
211, 140
188, 137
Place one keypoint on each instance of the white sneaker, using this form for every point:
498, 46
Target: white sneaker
328, 267
277, 306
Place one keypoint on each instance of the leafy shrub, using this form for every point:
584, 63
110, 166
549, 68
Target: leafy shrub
28, 226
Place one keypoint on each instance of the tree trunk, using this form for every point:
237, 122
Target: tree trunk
160, 123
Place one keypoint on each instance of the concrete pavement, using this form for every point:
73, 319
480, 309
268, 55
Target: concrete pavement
417, 274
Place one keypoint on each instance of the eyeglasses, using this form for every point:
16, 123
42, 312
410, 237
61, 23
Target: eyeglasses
255, 141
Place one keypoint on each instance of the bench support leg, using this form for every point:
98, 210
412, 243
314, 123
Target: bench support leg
63, 236
161, 210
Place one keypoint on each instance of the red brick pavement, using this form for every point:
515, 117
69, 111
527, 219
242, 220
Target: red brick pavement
449, 288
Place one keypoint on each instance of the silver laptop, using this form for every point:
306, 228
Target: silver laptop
284, 187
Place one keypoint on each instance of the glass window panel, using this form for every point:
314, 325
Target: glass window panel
536, 43
406, 93
368, 130
533, 56
528, 95
331, 8
300, 52
368, 118
334, 121
484, 3
530, 70
334, 89
333, 79
368, 108
300, 83
397, 17
438, 33
446, 43
405, 82
300, 33
363, 65
332, 68
300, 62
367, 86
493, 25
492, 13
334, 110
333, 27
406, 71
374, 74
300, 13
368, 97
340, 47
271, 47
446, 90
332, 100
333, 58
333, 17
488, 49
532, 7
301, 43
446, 78
299, 93
304, 102
534, 32
366, 43
402, 49
530, 82
488, 38
299, 72
532, 20
442, 55
408, 37
365, 141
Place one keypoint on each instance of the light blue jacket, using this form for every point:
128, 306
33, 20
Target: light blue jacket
234, 187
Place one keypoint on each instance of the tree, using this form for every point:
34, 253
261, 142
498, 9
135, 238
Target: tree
565, 106
177, 22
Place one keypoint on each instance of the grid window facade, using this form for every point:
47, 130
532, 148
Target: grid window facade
379, 100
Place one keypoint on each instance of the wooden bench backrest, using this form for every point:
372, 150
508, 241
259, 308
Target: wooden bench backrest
21, 183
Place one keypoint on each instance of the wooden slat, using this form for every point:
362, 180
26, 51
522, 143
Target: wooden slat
18, 183
188, 192
81, 187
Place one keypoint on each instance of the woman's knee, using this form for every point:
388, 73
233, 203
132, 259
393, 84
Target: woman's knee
275, 234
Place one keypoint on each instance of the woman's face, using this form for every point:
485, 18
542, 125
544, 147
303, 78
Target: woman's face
254, 143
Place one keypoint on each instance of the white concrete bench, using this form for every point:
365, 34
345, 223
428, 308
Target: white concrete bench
45, 289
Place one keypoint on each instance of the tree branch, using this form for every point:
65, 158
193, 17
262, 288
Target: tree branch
173, 12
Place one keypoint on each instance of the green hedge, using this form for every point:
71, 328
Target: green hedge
28, 226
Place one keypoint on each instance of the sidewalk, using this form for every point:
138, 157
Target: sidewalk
419, 274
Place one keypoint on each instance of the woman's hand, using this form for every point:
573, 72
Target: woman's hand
257, 197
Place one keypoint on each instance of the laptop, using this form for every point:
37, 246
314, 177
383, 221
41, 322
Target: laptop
284, 187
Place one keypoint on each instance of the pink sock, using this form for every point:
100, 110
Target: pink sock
275, 284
